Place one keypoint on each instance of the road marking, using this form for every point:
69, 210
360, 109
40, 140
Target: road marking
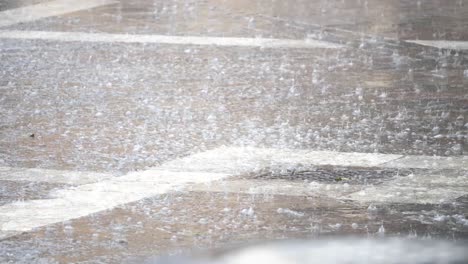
205, 172
163, 39
407, 195
47, 9
52, 176
430, 162
92, 198
429, 187
278, 187
237, 160
422, 188
419, 188
442, 44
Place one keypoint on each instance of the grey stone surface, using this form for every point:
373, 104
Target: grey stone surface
115, 108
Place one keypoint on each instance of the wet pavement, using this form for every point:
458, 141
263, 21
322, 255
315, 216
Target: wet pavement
111, 105
185, 222
122, 116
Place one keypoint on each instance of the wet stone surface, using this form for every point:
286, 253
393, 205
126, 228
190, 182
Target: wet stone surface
403, 19
14, 191
184, 222
361, 176
119, 107
139, 111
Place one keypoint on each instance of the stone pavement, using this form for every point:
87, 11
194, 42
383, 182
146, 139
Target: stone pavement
134, 129
213, 199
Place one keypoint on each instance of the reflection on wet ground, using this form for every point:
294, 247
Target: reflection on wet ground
122, 107
402, 19
140, 110
182, 222
13, 191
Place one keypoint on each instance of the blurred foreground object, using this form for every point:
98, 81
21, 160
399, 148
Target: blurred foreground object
349, 251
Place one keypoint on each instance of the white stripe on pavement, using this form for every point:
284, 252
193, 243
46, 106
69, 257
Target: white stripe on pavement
52, 176
92, 198
419, 188
163, 39
430, 162
414, 189
407, 194
442, 44
237, 160
47, 9
192, 172
279, 187
422, 187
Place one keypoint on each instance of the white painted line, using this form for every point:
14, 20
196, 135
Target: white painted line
278, 187
163, 39
47, 9
237, 160
407, 194
92, 198
431, 187
430, 162
203, 171
52, 176
416, 189
442, 44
